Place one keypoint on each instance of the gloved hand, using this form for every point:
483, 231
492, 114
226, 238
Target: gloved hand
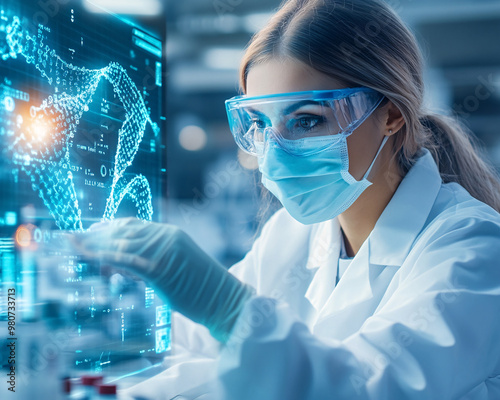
192, 282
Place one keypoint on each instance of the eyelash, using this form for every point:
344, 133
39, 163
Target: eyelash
256, 120
319, 120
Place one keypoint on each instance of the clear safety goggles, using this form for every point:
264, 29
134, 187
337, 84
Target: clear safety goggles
292, 118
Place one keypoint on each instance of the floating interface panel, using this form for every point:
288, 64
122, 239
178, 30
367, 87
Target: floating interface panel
80, 141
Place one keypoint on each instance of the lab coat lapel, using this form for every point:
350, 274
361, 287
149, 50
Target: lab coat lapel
355, 286
342, 311
356, 296
323, 256
351, 301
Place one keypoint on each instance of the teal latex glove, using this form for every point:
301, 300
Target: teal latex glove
191, 281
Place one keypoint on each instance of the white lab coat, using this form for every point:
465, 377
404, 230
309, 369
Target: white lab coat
416, 315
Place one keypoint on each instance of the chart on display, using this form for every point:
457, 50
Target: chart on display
80, 142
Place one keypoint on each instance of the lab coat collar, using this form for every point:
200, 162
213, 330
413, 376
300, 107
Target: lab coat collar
404, 217
388, 244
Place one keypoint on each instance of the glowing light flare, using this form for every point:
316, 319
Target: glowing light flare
24, 236
192, 138
40, 131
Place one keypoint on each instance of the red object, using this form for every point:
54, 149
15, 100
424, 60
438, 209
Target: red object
66, 385
107, 389
91, 380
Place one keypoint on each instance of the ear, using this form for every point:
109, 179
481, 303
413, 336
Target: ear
393, 119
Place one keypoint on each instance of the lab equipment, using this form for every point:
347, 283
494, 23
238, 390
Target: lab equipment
292, 118
87, 387
190, 281
106, 392
90, 383
67, 387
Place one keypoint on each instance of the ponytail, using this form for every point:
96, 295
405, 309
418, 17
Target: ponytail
459, 159
381, 53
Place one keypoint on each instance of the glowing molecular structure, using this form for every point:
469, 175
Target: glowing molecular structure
47, 162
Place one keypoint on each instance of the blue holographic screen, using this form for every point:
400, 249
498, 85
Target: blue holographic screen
80, 141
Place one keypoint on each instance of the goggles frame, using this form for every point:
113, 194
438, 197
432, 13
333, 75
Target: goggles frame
237, 103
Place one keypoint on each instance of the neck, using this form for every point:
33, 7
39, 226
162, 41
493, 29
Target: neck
358, 221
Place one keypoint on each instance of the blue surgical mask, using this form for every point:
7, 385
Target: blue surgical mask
315, 187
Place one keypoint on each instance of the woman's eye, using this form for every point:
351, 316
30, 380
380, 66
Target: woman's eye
308, 122
258, 123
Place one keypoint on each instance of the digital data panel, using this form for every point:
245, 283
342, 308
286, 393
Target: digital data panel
80, 141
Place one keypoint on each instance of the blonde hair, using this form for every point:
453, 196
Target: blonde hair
365, 43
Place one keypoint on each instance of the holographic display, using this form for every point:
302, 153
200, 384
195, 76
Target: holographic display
42, 143
80, 141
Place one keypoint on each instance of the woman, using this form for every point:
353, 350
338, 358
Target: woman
379, 279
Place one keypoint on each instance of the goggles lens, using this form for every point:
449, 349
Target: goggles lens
291, 118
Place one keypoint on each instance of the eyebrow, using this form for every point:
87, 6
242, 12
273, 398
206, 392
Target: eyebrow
300, 104
254, 111
290, 109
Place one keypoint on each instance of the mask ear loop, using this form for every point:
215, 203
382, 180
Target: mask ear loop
386, 138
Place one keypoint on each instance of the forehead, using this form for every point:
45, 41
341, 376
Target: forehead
287, 75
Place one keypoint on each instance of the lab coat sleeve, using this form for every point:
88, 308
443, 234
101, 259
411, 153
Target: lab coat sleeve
436, 337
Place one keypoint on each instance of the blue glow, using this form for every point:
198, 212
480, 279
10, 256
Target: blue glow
8, 273
148, 47
9, 104
162, 315
79, 142
155, 42
42, 148
158, 74
162, 340
10, 218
